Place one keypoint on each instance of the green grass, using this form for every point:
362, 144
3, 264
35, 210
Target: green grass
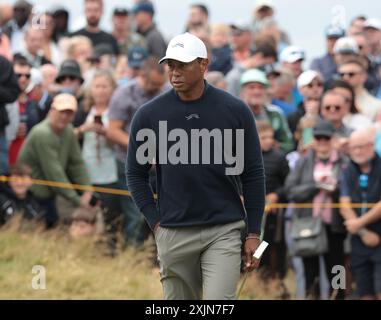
79, 270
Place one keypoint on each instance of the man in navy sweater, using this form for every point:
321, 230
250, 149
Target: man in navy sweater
199, 216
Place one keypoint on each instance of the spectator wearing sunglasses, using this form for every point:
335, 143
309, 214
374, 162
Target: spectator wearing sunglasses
315, 180
70, 80
333, 109
28, 114
355, 73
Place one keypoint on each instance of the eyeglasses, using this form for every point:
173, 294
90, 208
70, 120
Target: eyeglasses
349, 74
26, 75
322, 138
317, 85
335, 108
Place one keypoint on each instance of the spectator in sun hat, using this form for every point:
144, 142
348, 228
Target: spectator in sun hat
143, 16
70, 80
122, 32
372, 30
326, 64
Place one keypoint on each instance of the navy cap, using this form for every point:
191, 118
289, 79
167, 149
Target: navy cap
323, 128
334, 32
136, 56
145, 6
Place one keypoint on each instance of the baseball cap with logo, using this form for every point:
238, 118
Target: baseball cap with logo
346, 45
373, 23
136, 56
254, 75
185, 48
292, 54
65, 101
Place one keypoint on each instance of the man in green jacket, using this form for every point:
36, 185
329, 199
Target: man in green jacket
52, 152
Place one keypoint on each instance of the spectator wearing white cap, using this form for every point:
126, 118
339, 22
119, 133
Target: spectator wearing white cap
326, 64
53, 154
345, 49
292, 58
254, 85
310, 84
372, 30
355, 73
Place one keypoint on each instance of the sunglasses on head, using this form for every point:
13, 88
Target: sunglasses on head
335, 108
26, 75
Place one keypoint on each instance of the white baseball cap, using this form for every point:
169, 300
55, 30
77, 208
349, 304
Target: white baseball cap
346, 45
372, 23
307, 77
185, 47
292, 54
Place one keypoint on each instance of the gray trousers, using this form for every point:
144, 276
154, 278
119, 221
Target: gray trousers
200, 262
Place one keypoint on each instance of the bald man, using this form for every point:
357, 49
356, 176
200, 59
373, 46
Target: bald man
361, 184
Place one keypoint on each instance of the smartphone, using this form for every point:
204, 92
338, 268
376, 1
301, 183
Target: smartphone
98, 119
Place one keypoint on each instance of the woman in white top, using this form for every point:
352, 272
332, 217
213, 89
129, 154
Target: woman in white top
98, 151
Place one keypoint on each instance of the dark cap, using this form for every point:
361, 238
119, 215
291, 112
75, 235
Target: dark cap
323, 128
69, 68
101, 50
335, 32
120, 11
145, 6
136, 56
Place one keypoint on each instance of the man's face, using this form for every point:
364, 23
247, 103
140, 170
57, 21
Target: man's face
373, 35
70, 82
153, 82
254, 94
34, 40
93, 12
361, 149
330, 44
334, 108
353, 74
197, 17
241, 39
140, 18
185, 76
20, 184
21, 14
266, 139
120, 22
23, 75
61, 119
295, 67
313, 90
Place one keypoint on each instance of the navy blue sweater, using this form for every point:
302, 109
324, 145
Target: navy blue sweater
197, 194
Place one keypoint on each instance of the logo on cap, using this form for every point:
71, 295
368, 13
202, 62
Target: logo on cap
178, 44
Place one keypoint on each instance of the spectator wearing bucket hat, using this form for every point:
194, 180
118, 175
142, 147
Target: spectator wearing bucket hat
70, 80
326, 64
53, 154
143, 16
254, 85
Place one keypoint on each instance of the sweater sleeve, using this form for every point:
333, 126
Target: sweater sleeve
9, 88
52, 169
253, 175
76, 170
138, 175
